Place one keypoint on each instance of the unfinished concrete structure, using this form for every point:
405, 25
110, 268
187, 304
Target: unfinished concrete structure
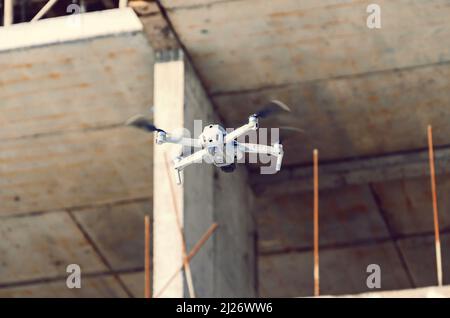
75, 183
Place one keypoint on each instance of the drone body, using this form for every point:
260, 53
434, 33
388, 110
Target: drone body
215, 145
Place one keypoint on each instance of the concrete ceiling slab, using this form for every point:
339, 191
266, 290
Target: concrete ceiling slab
341, 271
321, 59
36, 247
347, 215
118, 232
135, 283
93, 287
408, 207
75, 169
249, 44
419, 253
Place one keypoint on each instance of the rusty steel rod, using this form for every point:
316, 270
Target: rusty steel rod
437, 239
187, 267
202, 241
191, 255
148, 292
316, 222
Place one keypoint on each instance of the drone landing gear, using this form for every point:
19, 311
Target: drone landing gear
229, 168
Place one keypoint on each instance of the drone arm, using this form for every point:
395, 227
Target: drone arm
251, 125
188, 142
182, 162
279, 156
255, 148
163, 137
275, 150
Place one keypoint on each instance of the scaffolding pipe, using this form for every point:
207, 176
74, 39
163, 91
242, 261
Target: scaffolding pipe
8, 13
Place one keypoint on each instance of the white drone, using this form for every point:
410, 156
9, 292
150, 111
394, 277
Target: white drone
216, 145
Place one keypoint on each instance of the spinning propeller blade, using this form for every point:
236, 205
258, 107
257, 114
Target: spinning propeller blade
271, 108
142, 122
293, 129
287, 132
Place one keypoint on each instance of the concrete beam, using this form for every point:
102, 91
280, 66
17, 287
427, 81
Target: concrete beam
225, 265
156, 27
62, 29
352, 172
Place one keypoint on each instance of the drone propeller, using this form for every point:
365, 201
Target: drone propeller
287, 132
293, 129
271, 108
142, 122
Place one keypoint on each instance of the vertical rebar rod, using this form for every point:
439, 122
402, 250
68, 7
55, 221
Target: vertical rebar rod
437, 239
316, 222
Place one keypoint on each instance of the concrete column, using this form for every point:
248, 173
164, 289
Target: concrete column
225, 265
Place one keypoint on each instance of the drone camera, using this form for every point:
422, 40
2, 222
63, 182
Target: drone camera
228, 169
160, 137
253, 119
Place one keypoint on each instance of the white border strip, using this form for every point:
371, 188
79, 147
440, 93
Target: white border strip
69, 28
